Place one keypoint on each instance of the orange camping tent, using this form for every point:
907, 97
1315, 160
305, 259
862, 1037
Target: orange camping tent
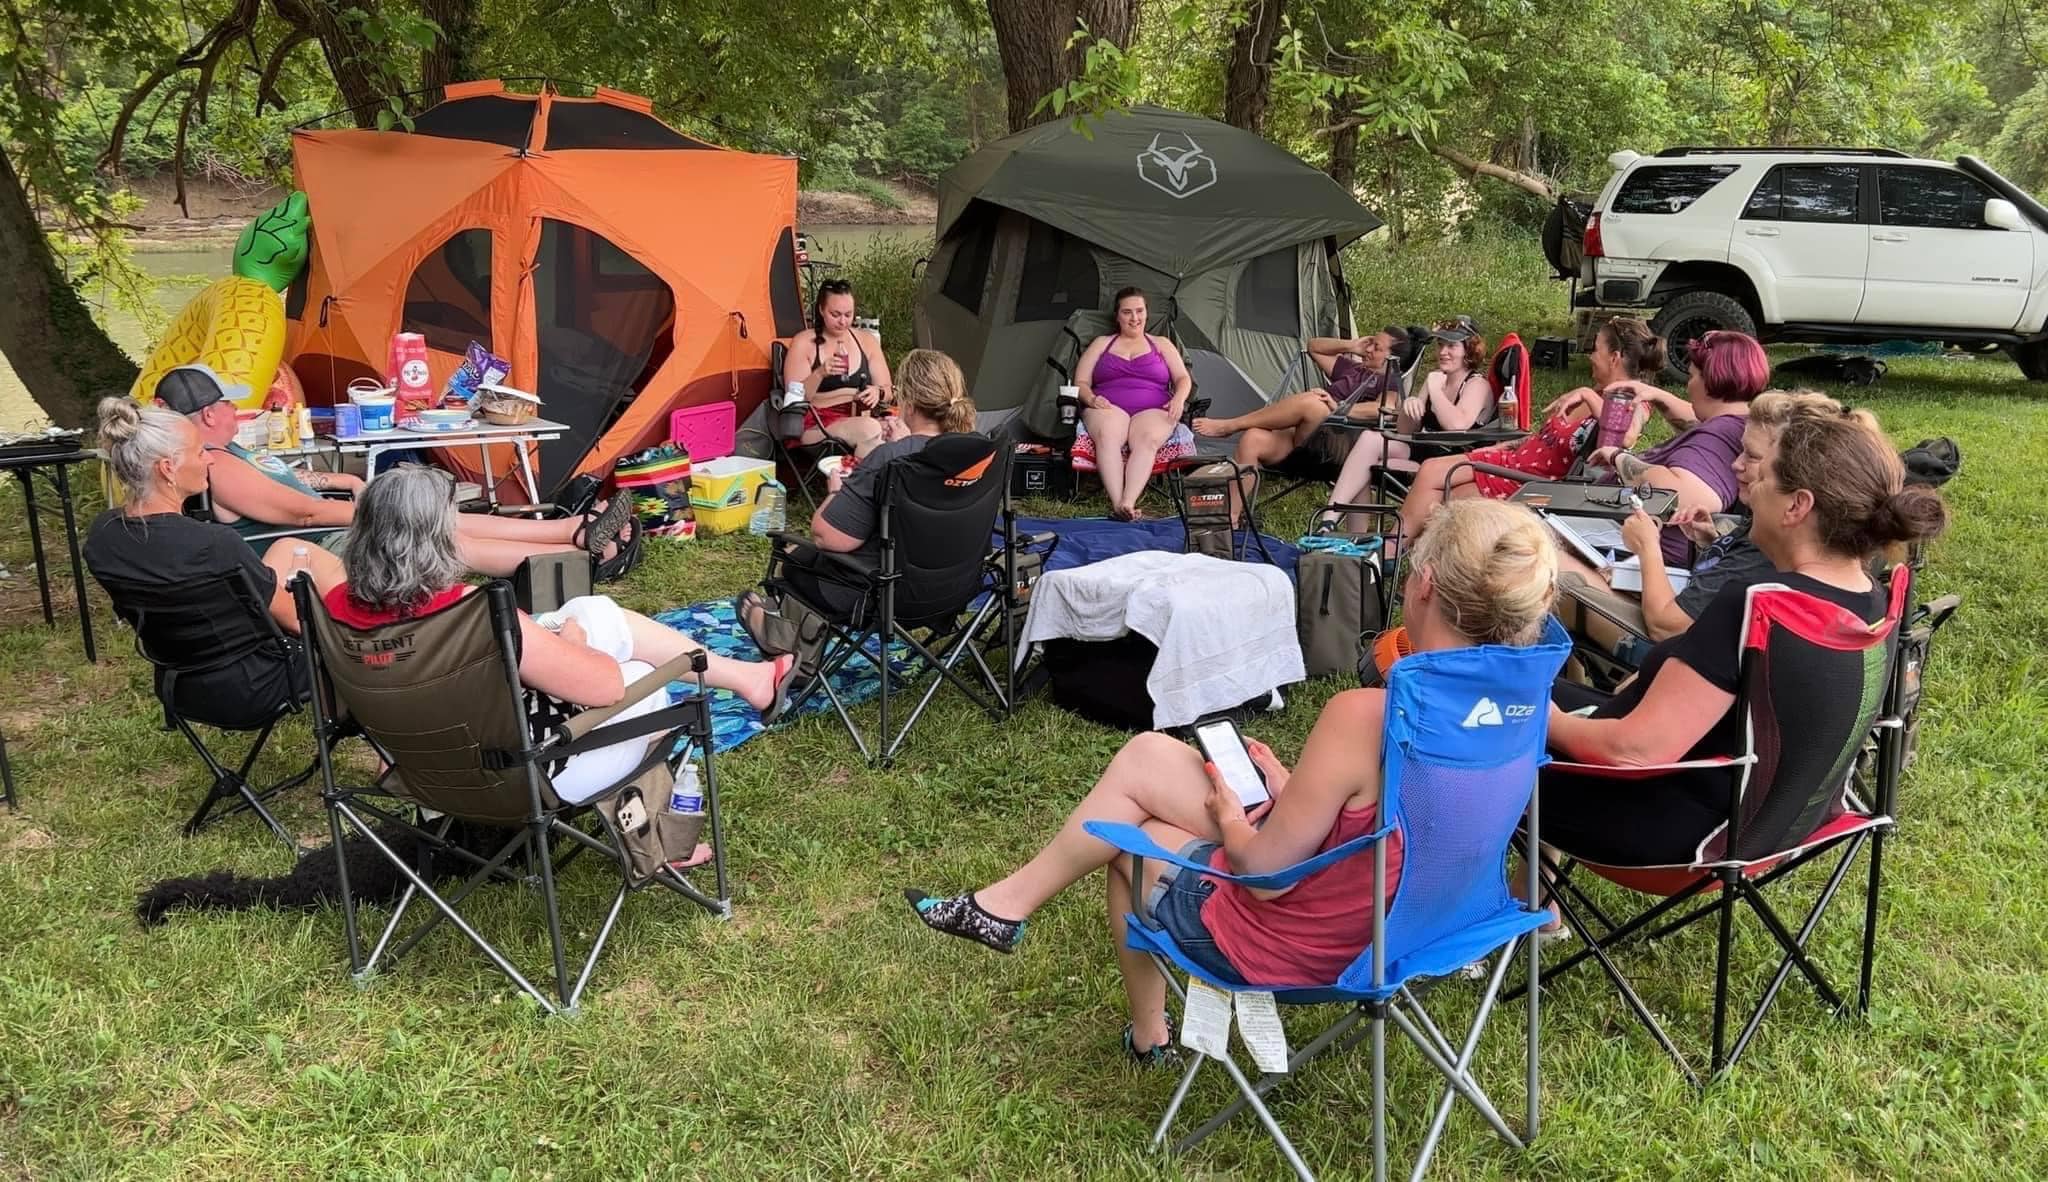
624, 269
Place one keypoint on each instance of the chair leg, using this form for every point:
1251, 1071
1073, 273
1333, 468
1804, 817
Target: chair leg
1596, 947
1722, 949
538, 843
1794, 953
1463, 1063
1870, 899
448, 912
1379, 1092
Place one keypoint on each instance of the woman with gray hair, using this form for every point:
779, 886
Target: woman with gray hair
402, 562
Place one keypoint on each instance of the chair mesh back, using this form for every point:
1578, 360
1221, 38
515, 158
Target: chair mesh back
198, 626
1464, 735
940, 505
435, 693
1814, 677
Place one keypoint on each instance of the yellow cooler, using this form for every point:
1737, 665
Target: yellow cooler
722, 492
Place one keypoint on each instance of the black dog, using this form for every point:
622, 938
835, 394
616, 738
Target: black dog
314, 881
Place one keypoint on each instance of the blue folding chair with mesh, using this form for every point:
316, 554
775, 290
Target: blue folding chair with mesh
1464, 737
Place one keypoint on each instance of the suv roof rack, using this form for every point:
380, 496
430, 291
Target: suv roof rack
1789, 150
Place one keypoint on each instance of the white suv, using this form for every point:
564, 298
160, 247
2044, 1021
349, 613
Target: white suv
1821, 244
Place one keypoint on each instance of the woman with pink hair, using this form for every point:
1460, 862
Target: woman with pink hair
1727, 370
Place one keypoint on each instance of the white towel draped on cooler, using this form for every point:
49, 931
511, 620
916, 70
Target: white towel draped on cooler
1225, 630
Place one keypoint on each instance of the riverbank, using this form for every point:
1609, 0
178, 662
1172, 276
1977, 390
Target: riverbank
219, 209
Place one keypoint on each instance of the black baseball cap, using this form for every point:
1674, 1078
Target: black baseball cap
1461, 328
189, 389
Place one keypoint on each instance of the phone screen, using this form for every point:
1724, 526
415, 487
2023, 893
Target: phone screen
1225, 748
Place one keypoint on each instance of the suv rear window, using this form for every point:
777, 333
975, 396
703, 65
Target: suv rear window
1669, 188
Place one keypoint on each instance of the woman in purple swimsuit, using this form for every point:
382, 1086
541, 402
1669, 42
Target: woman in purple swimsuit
1134, 387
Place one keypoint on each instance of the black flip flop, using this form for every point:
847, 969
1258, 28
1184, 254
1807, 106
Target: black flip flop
620, 564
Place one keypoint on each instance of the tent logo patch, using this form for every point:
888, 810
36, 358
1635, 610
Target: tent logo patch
1176, 165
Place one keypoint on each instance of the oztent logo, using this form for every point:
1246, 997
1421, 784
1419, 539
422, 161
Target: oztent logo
1176, 165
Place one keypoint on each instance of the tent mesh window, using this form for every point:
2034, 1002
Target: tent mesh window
601, 319
602, 125
783, 297
448, 300
1059, 276
1269, 294
969, 272
492, 119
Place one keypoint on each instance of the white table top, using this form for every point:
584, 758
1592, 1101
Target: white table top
478, 431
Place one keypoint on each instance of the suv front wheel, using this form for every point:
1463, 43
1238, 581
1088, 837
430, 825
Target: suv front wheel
1690, 315
2032, 358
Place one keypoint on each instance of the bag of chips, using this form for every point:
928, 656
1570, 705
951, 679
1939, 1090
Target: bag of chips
480, 367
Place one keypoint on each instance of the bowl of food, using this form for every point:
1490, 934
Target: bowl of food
505, 406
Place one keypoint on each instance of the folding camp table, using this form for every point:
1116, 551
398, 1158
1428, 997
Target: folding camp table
480, 435
53, 459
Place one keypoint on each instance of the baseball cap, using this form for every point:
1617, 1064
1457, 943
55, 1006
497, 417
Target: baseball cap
189, 389
1460, 328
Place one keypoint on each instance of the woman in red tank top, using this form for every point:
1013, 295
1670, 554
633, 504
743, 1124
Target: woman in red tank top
1483, 574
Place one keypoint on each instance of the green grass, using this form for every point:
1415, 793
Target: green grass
824, 1033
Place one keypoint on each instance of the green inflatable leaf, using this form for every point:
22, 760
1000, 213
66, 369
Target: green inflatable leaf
273, 247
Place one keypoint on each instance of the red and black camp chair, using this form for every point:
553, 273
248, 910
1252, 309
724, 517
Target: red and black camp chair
1815, 681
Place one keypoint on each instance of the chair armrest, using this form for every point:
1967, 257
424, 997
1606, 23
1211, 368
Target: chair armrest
1134, 841
692, 663
1454, 439
1606, 771
1594, 600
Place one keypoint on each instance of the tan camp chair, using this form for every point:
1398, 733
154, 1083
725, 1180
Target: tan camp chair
439, 696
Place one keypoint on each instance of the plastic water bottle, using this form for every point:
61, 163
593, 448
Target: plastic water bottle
771, 509
1505, 411
687, 797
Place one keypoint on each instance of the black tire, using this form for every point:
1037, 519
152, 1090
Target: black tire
2032, 358
1693, 314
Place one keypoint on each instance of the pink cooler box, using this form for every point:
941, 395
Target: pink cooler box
706, 432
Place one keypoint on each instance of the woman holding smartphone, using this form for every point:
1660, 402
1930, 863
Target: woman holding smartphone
1484, 574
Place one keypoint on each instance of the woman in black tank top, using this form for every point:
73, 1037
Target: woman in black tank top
843, 372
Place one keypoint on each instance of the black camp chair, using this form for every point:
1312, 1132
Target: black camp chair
785, 426
933, 571
1304, 466
439, 697
188, 631
1815, 681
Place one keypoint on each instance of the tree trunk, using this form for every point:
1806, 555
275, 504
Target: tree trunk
1344, 147
350, 56
48, 335
448, 60
1248, 75
1031, 37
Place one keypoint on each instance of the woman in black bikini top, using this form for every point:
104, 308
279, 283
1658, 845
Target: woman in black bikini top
838, 387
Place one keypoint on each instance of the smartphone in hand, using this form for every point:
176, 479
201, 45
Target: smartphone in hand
1223, 746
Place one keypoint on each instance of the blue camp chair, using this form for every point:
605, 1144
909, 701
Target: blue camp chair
1464, 736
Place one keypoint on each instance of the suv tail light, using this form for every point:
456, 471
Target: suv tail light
1589, 242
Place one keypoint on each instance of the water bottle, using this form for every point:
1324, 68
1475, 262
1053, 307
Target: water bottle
687, 797
1505, 411
771, 509
1617, 415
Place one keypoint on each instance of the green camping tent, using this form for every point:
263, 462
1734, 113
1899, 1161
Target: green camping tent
1235, 241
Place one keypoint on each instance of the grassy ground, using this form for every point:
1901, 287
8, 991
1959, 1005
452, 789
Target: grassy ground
824, 1033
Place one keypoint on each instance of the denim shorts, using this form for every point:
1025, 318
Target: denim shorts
1175, 906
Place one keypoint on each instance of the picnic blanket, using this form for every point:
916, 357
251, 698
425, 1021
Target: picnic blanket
1225, 630
733, 721
1092, 539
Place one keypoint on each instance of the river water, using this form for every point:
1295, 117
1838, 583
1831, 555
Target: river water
179, 274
